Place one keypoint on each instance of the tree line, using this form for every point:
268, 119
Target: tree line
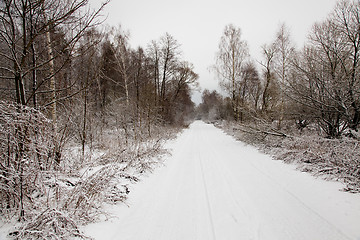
54, 51
316, 84
57, 57
67, 79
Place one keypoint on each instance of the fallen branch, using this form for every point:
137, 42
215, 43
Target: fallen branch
256, 131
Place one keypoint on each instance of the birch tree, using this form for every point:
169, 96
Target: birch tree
153, 52
121, 53
230, 59
284, 52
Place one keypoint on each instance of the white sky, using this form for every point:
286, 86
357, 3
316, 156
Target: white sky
198, 24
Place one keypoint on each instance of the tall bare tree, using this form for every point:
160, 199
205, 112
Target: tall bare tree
251, 88
230, 59
270, 89
170, 52
321, 78
153, 52
284, 52
346, 18
121, 53
184, 75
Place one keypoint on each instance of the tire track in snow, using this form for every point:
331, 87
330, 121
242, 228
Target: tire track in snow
230, 216
252, 224
207, 198
264, 218
299, 201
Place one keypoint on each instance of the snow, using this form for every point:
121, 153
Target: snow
4, 229
214, 187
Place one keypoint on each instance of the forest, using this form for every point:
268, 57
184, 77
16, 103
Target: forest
299, 105
317, 83
83, 114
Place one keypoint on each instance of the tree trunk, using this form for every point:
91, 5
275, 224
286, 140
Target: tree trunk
265, 93
19, 85
126, 80
83, 137
52, 78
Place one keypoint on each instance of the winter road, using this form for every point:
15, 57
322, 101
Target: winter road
213, 187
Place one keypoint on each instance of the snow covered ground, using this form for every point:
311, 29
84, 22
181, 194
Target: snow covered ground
213, 187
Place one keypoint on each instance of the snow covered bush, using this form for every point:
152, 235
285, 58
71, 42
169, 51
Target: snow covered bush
337, 159
49, 224
27, 155
89, 193
333, 158
47, 191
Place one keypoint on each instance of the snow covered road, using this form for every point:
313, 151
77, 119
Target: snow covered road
213, 187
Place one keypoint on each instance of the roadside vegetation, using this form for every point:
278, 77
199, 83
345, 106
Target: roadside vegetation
300, 105
83, 115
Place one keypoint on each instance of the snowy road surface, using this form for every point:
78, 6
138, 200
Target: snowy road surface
213, 187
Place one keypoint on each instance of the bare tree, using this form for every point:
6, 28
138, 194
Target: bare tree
251, 88
346, 18
153, 52
321, 78
284, 53
230, 60
169, 50
270, 90
327, 79
86, 71
184, 75
121, 53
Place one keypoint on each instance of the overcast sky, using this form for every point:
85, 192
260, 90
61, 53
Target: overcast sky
198, 24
